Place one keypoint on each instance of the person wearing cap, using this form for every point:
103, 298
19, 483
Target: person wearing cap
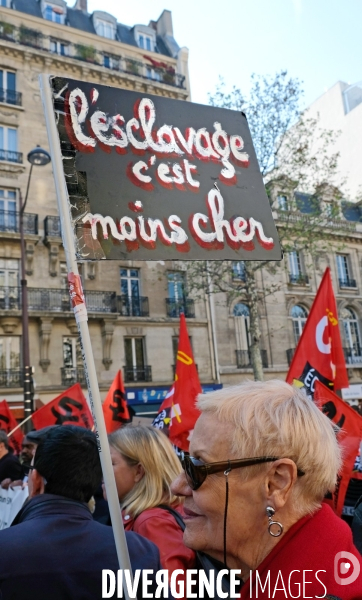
69, 549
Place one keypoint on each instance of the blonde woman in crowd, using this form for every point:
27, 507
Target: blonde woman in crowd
144, 465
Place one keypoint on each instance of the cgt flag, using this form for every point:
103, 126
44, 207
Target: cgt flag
349, 437
115, 407
319, 354
8, 423
178, 411
70, 408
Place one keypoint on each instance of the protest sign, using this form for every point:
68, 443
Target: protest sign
152, 178
11, 501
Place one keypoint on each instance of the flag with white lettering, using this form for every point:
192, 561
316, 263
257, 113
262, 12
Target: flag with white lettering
319, 355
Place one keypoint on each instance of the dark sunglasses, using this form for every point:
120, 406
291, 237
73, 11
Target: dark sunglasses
196, 470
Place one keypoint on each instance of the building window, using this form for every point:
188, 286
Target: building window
130, 283
176, 286
282, 202
59, 47
345, 271
10, 353
238, 271
8, 87
72, 355
5, 3
242, 326
111, 62
351, 335
8, 215
9, 284
105, 29
145, 42
135, 368
54, 13
299, 317
8, 144
296, 269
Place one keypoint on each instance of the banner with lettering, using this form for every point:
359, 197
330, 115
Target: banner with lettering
11, 501
349, 437
178, 412
115, 407
8, 423
319, 354
70, 408
153, 178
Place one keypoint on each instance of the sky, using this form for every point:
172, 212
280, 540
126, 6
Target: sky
317, 41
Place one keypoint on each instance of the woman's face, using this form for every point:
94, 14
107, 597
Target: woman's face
125, 475
204, 508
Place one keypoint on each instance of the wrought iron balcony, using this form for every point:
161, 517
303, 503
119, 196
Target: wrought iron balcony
347, 283
52, 227
100, 301
45, 299
290, 354
175, 307
129, 306
300, 279
72, 375
10, 97
11, 378
10, 298
243, 359
10, 222
353, 356
134, 374
11, 156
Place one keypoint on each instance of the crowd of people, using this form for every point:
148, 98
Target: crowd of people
248, 497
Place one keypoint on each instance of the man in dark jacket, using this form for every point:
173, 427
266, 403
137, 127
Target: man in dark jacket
10, 467
68, 548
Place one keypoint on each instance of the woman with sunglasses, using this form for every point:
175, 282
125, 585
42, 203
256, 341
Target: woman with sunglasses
144, 465
262, 458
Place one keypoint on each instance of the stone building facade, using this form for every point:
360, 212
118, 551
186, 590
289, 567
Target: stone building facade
133, 306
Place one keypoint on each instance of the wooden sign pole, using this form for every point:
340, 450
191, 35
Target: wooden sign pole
80, 313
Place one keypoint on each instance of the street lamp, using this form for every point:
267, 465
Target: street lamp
37, 157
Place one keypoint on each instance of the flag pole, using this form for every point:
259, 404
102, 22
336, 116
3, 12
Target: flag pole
80, 314
19, 425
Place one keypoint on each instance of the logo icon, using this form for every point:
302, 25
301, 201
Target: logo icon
346, 563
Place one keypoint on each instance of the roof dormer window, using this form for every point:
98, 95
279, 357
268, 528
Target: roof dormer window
53, 12
105, 29
145, 42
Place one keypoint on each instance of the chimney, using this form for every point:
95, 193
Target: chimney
81, 5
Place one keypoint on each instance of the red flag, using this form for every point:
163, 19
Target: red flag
115, 408
349, 437
319, 354
8, 423
70, 408
179, 405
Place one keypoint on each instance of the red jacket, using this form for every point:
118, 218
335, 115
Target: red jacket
310, 550
160, 527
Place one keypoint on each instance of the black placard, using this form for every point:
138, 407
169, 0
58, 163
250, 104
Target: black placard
153, 178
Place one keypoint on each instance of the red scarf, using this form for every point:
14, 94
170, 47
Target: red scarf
311, 545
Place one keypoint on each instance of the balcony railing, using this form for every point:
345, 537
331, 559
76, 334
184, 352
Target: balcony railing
290, 354
100, 301
300, 279
134, 374
52, 227
72, 375
175, 307
10, 298
10, 221
353, 356
12, 378
10, 97
347, 283
56, 300
88, 53
243, 359
11, 156
128, 306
